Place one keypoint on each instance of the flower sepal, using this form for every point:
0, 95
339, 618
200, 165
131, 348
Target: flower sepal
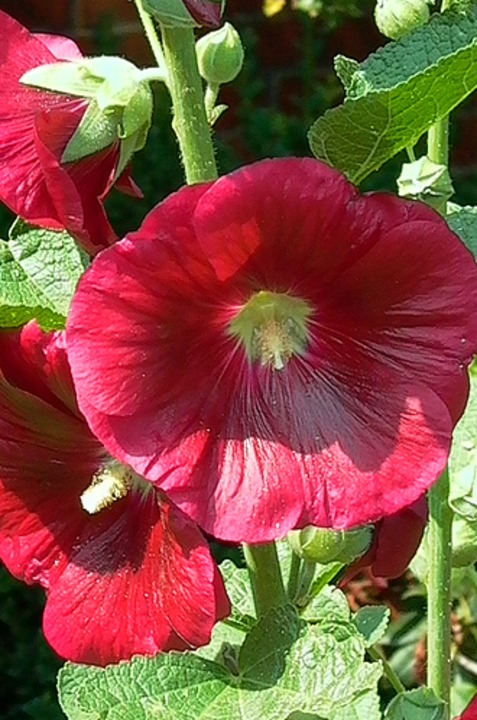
425, 180
186, 13
321, 545
120, 104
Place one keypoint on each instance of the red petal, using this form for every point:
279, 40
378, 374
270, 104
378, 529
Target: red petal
470, 713
77, 188
143, 581
136, 577
63, 48
205, 12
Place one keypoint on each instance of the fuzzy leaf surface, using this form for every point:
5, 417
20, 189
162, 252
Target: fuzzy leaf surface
397, 93
284, 668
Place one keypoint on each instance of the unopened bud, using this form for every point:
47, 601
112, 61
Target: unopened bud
323, 546
220, 55
395, 18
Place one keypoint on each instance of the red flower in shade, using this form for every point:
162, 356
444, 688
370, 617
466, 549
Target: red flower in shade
205, 12
396, 539
35, 128
470, 713
276, 351
134, 577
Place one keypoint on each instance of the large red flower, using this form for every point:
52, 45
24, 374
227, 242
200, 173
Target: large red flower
276, 351
133, 577
35, 128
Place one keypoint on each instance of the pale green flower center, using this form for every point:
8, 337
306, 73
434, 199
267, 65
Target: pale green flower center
272, 328
111, 482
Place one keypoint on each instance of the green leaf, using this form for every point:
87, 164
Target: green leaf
284, 669
329, 604
463, 221
52, 261
20, 298
397, 94
372, 622
239, 590
421, 704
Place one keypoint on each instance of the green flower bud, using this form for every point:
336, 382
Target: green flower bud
395, 18
220, 55
323, 546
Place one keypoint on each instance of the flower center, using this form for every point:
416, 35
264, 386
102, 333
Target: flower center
111, 482
272, 328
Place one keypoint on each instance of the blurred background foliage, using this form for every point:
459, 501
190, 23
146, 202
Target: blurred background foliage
269, 115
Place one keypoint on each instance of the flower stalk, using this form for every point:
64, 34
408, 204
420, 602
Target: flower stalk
151, 34
190, 118
439, 595
440, 513
265, 577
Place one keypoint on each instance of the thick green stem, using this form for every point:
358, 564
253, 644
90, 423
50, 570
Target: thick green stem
265, 577
190, 119
439, 594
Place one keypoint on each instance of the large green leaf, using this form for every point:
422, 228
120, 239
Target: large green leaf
39, 270
284, 668
395, 95
20, 299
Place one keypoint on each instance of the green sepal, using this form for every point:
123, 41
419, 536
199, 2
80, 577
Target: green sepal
171, 13
322, 545
95, 131
424, 180
68, 78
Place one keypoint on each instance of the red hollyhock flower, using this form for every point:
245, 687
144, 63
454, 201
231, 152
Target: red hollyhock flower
205, 12
276, 351
35, 128
133, 577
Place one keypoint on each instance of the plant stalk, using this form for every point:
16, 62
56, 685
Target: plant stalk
190, 119
265, 577
439, 590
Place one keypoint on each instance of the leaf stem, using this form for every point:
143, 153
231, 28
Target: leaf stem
265, 577
389, 672
293, 577
151, 34
439, 590
190, 119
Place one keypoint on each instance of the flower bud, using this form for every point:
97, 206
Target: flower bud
395, 18
220, 55
323, 546
119, 103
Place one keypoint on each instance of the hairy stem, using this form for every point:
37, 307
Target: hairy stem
190, 119
439, 586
